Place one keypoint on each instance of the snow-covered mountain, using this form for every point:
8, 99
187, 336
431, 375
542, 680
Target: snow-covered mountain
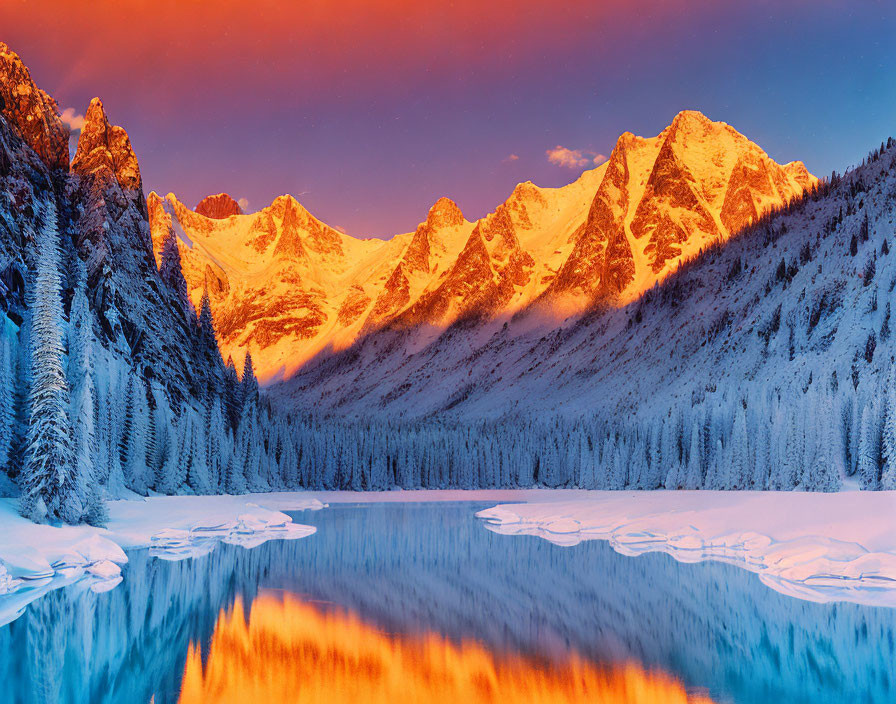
763, 362
102, 211
107, 376
791, 295
287, 287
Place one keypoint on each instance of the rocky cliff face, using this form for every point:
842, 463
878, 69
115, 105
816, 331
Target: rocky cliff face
102, 219
104, 151
218, 207
288, 287
31, 112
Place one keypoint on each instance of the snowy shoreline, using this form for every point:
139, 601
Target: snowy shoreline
817, 547
35, 558
812, 546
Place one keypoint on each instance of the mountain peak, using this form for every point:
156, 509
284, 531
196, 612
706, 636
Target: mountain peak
444, 213
798, 172
218, 206
105, 150
526, 191
281, 205
690, 120
31, 111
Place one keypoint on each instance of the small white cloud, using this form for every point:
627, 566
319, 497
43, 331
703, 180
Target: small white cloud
339, 229
511, 157
243, 203
574, 158
72, 120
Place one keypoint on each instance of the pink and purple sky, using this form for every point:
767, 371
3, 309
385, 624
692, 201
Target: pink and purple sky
370, 111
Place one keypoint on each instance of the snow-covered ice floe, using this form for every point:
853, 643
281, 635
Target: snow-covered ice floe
819, 547
37, 558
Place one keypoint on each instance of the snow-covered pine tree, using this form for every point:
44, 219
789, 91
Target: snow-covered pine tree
694, 476
826, 474
248, 383
762, 458
198, 478
232, 400
235, 481
7, 396
171, 272
217, 444
136, 470
184, 458
868, 467
80, 374
888, 476
46, 481
207, 339
168, 479
736, 471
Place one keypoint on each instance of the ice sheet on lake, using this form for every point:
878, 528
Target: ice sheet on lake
37, 558
819, 547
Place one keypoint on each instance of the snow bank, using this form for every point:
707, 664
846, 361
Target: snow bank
818, 547
36, 558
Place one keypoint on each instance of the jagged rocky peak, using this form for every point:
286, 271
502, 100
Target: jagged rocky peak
33, 113
690, 126
105, 149
798, 172
527, 191
444, 213
286, 203
293, 222
692, 121
218, 207
526, 200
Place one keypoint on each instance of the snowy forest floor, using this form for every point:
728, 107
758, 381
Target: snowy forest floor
820, 547
814, 546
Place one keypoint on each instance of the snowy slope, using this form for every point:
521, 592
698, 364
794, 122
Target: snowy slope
288, 287
765, 362
715, 323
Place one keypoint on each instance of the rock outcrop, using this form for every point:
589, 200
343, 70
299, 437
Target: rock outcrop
104, 151
31, 112
218, 207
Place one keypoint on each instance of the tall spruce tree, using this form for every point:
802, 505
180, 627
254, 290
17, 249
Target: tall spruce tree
888, 476
7, 396
48, 491
83, 412
171, 272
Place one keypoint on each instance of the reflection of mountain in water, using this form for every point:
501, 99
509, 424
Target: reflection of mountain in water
289, 650
419, 568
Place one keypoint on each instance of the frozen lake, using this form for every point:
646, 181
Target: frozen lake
423, 597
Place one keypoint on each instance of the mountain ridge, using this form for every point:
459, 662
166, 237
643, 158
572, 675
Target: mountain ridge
288, 287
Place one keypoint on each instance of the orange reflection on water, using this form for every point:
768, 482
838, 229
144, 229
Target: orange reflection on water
290, 651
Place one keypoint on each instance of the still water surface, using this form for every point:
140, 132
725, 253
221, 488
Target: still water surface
419, 602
